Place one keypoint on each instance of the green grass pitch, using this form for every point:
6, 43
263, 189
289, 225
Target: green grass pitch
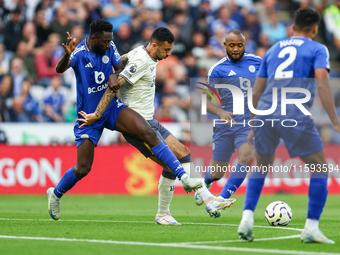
125, 225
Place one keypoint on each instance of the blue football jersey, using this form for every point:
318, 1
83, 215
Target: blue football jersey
92, 72
240, 74
291, 63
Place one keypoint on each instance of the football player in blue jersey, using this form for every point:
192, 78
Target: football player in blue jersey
92, 61
296, 66
238, 69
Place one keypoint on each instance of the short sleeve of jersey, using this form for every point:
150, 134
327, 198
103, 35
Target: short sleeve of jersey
74, 58
134, 70
213, 77
321, 57
115, 56
263, 68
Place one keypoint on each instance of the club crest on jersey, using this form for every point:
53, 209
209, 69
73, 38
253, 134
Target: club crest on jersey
105, 59
133, 68
99, 77
252, 68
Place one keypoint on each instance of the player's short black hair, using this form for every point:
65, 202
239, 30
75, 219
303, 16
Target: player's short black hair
236, 32
161, 35
305, 19
100, 26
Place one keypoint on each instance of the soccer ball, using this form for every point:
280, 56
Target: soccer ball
278, 213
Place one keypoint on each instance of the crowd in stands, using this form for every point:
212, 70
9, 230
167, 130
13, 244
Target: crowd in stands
31, 33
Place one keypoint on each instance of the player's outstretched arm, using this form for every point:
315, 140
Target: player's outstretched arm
64, 62
326, 96
106, 99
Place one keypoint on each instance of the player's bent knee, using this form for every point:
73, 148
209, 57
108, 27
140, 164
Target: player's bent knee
81, 171
246, 160
150, 137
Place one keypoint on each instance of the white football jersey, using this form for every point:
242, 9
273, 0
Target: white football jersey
140, 73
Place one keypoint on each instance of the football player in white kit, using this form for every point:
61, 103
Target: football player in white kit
137, 81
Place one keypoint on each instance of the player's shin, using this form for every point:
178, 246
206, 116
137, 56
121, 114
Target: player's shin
207, 177
163, 153
66, 183
253, 192
235, 180
166, 188
317, 194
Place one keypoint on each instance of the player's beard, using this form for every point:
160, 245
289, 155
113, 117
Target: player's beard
235, 59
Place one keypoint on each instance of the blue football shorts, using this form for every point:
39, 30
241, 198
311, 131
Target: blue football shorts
226, 139
161, 132
301, 141
95, 130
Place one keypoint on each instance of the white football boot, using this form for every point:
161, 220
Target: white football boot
53, 204
215, 204
245, 232
190, 184
315, 236
165, 218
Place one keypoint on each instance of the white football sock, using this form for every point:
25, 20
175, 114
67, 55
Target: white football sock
248, 216
166, 188
312, 225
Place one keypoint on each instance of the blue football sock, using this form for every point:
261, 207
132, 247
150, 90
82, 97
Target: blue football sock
235, 180
317, 195
66, 183
207, 177
254, 188
163, 153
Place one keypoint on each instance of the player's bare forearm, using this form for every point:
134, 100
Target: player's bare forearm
104, 102
259, 87
64, 63
327, 99
124, 59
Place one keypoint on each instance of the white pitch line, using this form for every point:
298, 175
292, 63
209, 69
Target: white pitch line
240, 241
152, 222
173, 245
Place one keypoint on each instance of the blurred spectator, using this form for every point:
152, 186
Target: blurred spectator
54, 101
264, 8
260, 51
6, 97
13, 31
146, 34
18, 75
4, 13
45, 64
117, 13
179, 47
47, 6
251, 24
75, 11
4, 60
29, 35
78, 33
332, 24
190, 62
224, 20
273, 30
122, 39
152, 4
30, 105
42, 27
198, 47
156, 19
55, 40
61, 24
168, 10
17, 112
185, 23
28, 60
92, 8
216, 42
22, 6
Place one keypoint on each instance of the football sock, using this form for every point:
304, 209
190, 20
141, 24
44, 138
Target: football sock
317, 195
207, 177
235, 180
312, 225
166, 188
163, 153
254, 188
66, 183
248, 216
